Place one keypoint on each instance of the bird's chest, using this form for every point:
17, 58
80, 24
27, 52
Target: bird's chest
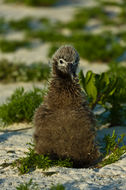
65, 116
63, 98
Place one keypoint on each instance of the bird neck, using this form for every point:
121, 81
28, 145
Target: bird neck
63, 91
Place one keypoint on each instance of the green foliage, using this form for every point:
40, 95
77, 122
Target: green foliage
109, 3
34, 186
122, 35
10, 46
22, 24
97, 87
113, 149
20, 106
101, 47
28, 186
57, 187
49, 35
83, 15
30, 23
108, 91
34, 2
116, 70
117, 100
3, 26
15, 72
33, 161
52, 49
26, 24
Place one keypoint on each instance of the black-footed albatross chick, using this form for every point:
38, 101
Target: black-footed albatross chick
64, 124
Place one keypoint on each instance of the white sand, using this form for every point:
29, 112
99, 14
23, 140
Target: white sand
63, 13
28, 55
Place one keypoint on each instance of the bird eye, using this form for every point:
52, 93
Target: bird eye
61, 61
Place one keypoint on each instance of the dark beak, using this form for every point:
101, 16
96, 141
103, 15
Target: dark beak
71, 70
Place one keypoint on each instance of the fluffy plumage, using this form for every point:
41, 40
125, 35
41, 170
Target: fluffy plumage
64, 124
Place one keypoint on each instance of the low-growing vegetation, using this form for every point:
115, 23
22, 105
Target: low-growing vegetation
114, 148
34, 2
49, 35
57, 187
83, 16
109, 91
3, 26
100, 47
16, 72
30, 23
22, 24
28, 186
109, 3
32, 161
122, 35
34, 186
10, 46
25, 24
20, 107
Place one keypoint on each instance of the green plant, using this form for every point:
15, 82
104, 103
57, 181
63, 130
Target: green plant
101, 47
52, 49
107, 90
57, 187
34, 2
122, 35
49, 35
10, 46
34, 186
113, 149
15, 72
20, 106
83, 16
108, 3
30, 23
28, 186
33, 161
122, 14
27, 24
3, 26
97, 87
22, 24
117, 100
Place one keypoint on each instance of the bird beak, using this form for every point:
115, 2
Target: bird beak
70, 70
70, 66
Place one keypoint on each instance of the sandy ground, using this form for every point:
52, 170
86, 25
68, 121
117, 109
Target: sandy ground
17, 11
13, 145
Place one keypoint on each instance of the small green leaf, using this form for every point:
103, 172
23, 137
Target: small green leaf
91, 89
88, 76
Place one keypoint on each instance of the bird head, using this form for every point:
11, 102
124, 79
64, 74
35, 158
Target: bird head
65, 61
